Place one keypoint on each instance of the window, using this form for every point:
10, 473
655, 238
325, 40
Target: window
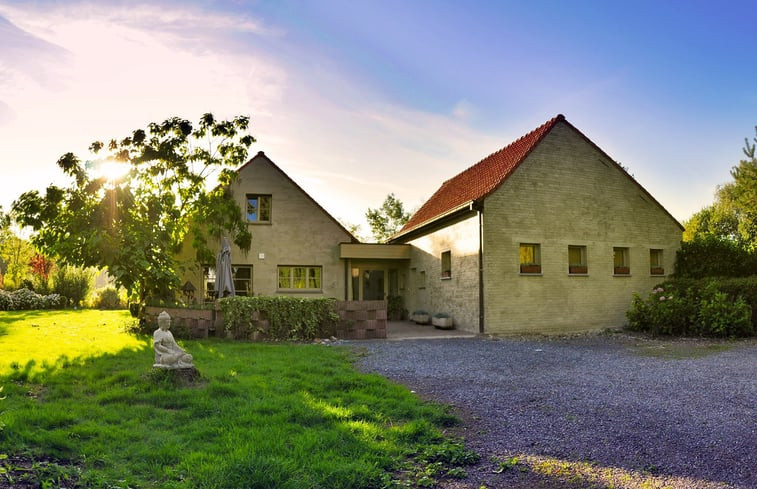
258, 208
242, 275
655, 262
446, 264
621, 265
300, 278
422, 279
577, 260
530, 258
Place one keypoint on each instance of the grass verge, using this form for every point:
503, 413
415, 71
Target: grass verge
84, 408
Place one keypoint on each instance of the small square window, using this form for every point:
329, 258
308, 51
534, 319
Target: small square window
577, 260
258, 208
446, 264
621, 265
530, 258
656, 263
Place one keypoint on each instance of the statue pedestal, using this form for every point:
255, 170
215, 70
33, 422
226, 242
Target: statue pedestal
179, 376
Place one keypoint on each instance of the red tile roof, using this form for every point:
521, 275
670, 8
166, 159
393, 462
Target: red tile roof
480, 179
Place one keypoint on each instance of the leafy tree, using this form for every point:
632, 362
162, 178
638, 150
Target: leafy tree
387, 220
733, 215
15, 254
135, 225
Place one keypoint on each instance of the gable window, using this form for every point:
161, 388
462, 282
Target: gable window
299, 277
577, 260
621, 264
530, 258
258, 208
446, 264
655, 262
242, 275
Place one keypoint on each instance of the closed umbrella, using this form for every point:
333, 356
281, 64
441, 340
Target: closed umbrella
224, 278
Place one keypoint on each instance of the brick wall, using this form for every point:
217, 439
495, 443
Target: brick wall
568, 193
361, 319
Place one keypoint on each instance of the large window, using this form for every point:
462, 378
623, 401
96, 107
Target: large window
446, 264
258, 208
530, 258
577, 260
655, 262
300, 278
621, 263
242, 275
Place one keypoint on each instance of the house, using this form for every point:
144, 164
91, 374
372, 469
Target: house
547, 235
295, 242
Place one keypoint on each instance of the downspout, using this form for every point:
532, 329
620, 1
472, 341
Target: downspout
480, 270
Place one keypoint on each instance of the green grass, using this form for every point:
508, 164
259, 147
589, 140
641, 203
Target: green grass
82, 402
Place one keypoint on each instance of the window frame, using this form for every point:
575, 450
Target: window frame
446, 263
259, 198
623, 267
306, 276
581, 267
656, 267
532, 267
207, 290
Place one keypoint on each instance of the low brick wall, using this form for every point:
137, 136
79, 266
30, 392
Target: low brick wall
361, 320
185, 323
358, 320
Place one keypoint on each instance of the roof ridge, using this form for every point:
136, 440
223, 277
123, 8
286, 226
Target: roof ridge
481, 178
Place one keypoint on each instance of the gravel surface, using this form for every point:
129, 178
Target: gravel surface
595, 411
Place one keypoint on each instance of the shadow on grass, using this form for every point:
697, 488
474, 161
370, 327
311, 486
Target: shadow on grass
288, 416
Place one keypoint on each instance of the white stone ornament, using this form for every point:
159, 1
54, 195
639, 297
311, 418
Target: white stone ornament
168, 354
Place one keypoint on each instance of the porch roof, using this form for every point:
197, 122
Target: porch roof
374, 251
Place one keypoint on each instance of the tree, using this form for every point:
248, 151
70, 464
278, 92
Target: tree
134, 225
387, 220
733, 215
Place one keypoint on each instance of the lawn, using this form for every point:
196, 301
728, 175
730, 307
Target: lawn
84, 408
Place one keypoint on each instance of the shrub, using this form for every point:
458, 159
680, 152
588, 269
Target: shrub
714, 257
72, 283
108, 298
289, 318
24, 299
6, 301
689, 307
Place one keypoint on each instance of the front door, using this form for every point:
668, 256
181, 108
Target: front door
373, 285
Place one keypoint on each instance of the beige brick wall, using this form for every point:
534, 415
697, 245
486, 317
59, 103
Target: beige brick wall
300, 233
567, 193
457, 296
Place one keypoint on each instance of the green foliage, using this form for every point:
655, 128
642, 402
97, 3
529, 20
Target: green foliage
290, 318
387, 220
134, 225
15, 254
73, 283
712, 256
108, 298
691, 308
733, 215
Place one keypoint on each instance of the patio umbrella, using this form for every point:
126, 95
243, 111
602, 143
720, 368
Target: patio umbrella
224, 278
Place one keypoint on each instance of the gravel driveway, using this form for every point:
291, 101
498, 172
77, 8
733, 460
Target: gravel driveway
595, 411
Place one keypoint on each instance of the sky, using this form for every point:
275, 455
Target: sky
357, 99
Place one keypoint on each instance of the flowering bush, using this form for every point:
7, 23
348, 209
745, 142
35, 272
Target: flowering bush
707, 311
25, 299
6, 301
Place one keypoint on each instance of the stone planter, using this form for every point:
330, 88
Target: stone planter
421, 318
442, 323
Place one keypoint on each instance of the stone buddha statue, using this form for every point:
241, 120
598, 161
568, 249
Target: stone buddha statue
168, 354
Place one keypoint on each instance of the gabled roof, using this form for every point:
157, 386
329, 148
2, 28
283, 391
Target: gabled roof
481, 179
260, 154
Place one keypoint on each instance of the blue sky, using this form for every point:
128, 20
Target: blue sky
356, 99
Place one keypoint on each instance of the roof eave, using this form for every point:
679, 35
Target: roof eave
419, 229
